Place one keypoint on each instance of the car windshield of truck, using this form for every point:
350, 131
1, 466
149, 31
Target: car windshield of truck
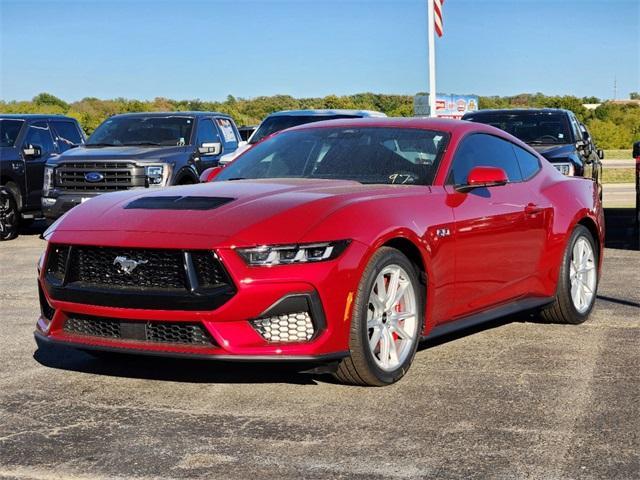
144, 131
9, 130
281, 122
534, 128
380, 155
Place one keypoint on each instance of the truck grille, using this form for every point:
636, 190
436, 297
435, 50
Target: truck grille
115, 176
137, 278
153, 331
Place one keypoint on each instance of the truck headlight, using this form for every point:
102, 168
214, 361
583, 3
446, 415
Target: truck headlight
565, 168
157, 175
267, 255
47, 185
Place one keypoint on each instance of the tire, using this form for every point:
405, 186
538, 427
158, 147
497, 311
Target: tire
9, 216
365, 364
567, 307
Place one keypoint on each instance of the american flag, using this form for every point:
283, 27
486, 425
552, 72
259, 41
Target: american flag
437, 15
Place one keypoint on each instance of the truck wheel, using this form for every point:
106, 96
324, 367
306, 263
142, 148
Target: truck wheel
9, 216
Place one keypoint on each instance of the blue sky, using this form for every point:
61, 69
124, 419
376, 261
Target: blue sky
210, 49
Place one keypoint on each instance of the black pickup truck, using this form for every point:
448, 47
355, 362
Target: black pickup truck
555, 133
27, 142
138, 150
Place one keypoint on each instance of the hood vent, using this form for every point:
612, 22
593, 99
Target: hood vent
178, 203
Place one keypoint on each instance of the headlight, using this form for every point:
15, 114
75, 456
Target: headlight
267, 255
47, 185
157, 175
565, 168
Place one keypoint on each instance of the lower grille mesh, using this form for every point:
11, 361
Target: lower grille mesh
152, 332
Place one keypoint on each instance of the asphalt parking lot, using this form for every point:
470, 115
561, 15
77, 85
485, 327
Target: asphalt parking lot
514, 399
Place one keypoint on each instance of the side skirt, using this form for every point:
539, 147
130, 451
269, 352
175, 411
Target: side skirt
488, 315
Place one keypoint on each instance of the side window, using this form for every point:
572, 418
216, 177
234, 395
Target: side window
228, 133
207, 132
481, 150
39, 135
575, 126
67, 134
529, 163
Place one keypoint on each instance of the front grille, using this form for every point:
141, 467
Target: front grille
116, 176
152, 332
156, 268
137, 278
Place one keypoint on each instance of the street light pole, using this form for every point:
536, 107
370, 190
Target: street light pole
432, 58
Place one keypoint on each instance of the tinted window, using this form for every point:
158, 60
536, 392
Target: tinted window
480, 150
139, 130
228, 133
282, 122
207, 132
67, 134
9, 131
365, 155
536, 128
38, 135
529, 163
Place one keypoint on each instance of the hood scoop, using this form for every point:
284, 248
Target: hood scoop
178, 203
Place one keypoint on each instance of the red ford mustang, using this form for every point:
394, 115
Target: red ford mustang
346, 241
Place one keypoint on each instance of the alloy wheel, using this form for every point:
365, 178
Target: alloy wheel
582, 275
392, 320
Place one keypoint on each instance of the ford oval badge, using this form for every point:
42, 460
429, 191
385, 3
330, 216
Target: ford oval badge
93, 177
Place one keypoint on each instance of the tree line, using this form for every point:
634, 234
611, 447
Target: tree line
613, 125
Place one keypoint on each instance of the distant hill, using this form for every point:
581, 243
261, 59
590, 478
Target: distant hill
615, 125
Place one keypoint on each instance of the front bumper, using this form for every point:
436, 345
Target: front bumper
232, 326
55, 207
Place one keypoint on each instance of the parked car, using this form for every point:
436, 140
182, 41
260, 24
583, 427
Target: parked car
138, 151
555, 133
27, 142
346, 241
284, 119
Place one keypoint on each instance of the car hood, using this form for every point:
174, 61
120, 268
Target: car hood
554, 152
247, 212
116, 153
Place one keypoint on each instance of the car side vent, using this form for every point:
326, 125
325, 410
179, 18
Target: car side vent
178, 203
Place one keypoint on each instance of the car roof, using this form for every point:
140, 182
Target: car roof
171, 114
491, 111
326, 112
442, 124
33, 116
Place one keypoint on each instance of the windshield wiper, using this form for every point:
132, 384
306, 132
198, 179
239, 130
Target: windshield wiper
131, 144
101, 145
236, 178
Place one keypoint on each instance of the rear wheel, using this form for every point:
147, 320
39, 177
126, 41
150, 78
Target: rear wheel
9, 217
386, 322
578, 281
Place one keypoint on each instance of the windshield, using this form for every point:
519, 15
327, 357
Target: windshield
366, 155
9, 130
152, 130
282, 122
530, 127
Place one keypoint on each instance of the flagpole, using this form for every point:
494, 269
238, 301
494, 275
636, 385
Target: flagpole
432, 58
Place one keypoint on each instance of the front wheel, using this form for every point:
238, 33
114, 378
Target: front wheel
9, 217
578, 280
386, 322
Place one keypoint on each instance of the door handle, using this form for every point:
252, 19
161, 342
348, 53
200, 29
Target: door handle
532, 208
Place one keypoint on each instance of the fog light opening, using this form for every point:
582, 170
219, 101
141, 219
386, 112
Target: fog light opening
289, 327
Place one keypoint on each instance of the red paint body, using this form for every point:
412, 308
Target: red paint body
501, 248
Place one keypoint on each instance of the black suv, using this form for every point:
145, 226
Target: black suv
27, 142
554, 133
138, 150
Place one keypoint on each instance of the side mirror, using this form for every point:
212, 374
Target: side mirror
480, 177
585, 136
212, 148
32, 151
209, 174
636, 150
600, 153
